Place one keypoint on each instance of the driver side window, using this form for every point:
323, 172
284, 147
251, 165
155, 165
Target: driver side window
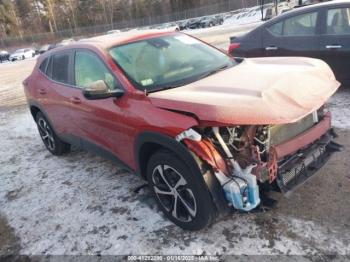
89, 68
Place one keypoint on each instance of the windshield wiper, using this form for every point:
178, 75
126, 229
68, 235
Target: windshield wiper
212, 72
162, 88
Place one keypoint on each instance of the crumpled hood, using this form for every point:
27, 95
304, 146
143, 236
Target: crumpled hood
259, 91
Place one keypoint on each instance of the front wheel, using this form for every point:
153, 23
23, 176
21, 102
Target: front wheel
52, 142
182, 196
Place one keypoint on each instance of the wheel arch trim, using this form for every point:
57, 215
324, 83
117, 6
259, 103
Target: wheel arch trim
160, 141
34, 104
186, 156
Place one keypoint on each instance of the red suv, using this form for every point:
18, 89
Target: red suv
205, 130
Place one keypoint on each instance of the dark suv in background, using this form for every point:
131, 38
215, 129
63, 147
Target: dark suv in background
319, 31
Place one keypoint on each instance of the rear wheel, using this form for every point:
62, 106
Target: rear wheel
181, 195
55, 145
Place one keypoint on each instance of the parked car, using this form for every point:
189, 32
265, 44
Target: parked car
22, 54
182, 24
319, 31
52, 46
44, 49
115, 31
170, 26
211, 21
194, 23
65, 42
4, 56
204, 130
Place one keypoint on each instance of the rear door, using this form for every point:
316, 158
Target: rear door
57, 92
335, 41
296, 35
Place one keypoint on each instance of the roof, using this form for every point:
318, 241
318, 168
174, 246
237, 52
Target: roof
302, 9
319, 5
109, 40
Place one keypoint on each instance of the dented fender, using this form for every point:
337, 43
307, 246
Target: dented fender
205, 150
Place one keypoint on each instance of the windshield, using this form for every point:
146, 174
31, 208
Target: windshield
168, 61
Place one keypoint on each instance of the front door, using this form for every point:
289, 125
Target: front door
100, 122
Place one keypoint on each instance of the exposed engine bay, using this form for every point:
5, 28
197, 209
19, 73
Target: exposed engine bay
245, 156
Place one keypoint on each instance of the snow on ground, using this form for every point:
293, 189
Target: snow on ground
83, 204
340, 106
247, 15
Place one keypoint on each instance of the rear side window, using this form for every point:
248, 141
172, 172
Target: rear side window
338, 21
43, 65
49, 68
300, 25
60, 69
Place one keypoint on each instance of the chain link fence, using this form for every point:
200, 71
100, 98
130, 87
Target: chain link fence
44, 38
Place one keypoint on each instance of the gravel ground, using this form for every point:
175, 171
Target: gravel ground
83, 204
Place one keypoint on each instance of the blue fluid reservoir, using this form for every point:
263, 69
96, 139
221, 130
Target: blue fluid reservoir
242, 192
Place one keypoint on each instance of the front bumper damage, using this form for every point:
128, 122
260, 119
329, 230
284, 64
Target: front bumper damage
296, 169
289, 164
299, 158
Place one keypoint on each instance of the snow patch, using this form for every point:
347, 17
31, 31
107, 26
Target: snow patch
82, 204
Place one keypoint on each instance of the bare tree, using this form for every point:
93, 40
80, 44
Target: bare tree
49, 5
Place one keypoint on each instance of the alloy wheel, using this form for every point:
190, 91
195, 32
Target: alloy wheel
174, 193
46, 134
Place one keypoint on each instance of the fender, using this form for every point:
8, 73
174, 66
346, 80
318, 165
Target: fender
164, 142
186, 156
37, 105
64, 137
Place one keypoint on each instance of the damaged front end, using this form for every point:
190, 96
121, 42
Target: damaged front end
242, 157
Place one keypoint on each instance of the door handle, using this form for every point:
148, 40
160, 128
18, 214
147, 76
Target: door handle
271, 48
75, 100
333, 46
42, 91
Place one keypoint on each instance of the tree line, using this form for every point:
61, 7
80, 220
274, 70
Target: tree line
23, 17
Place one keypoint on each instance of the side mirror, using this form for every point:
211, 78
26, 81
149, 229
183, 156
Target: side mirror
100, 90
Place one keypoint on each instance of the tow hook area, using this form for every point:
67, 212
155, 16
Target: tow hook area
239, 185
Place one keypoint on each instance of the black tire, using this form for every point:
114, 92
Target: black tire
51, 141
188, 189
